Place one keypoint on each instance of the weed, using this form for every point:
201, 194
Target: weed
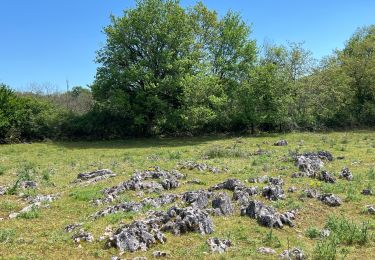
348, 232
221, 152
174, 155
7, 235
325, 249
271, 240
312, 232
2, 170
87, 194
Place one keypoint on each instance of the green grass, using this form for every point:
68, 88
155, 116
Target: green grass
55, 165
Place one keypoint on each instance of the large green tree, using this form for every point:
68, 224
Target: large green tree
149, 51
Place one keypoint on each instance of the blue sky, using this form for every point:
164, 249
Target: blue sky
51, 41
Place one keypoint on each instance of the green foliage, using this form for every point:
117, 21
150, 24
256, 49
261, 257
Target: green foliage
221, 152
86, 194
7, 235
325, 249
271, 240
166, 69
348, 232
33, 213
312, 232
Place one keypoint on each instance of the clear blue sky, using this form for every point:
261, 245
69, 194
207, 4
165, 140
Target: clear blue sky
53, 40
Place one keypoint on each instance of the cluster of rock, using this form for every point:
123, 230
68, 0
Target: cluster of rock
142, 234
199, 198
69, 228
281, 143
326, 177
166, 180
36, 202
330, 199
137, 206
308, 166
191, 165
222, 204
273, 192
293, 254
346, 174
82, 235
327, 198
219, 245
323, 155
94, 176
267, 216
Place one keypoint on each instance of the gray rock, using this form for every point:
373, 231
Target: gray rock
311, 193
35, 203
43, 198
367, 192
199, 199
136, 236
158, 254
330, 199
281, 143
219, 245
323, 155
222, 202
325, 232
276, 181
230, 184
293, 254
326, 177
161, 200
82, 235
267, 215
28, 185
266, 251
3, 190
189, 219
122, 207
292, 189
371, 209
346, 174
168, 180
242, 195
309, 165
95, 176
273, 192
69, 228
261, 179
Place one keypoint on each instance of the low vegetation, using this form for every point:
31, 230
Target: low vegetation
40, 232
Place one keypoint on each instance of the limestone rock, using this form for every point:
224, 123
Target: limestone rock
222, 202
219, 245
293, 254
273, 192
281, 143
330, 199
346, 174
266, 251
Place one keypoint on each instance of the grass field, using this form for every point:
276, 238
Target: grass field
54, 165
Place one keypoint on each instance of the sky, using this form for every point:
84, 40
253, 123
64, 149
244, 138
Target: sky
50, 42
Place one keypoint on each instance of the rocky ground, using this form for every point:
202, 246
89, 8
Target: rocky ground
294, 196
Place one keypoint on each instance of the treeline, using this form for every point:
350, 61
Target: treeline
171, 70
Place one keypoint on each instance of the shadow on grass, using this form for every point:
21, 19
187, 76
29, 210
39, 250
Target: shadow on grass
172, 142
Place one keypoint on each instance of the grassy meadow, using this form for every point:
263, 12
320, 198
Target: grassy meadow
40, 234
